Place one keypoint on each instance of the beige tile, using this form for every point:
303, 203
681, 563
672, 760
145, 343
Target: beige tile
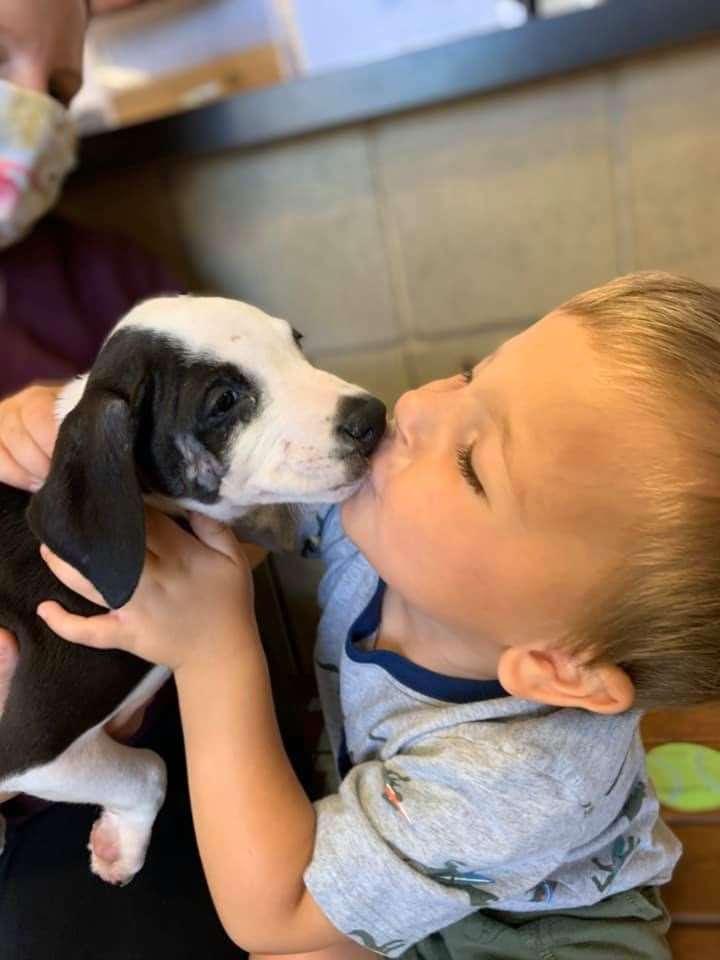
672, 132
295, 229
383, 372
133, 203
434, 359
499, 208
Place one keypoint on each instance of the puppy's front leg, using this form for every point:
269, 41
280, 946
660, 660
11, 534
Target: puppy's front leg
128, 783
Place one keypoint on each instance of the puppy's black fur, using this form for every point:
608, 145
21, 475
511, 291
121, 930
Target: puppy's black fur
150, 419
59, 690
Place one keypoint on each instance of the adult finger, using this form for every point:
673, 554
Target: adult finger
8, 645
38, 416
24, 450
13, 474
9, 657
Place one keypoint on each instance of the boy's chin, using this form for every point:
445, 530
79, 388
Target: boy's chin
354, 513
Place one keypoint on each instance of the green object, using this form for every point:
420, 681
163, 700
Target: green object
686, 776
625, 926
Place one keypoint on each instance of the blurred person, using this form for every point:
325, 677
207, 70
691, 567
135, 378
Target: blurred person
110, 6
62, 287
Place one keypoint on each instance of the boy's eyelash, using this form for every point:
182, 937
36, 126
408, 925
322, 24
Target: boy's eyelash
463, 457
467, 374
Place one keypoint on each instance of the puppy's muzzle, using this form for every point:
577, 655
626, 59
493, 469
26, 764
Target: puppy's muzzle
361, 424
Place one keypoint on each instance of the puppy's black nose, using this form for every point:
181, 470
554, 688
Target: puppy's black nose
361, 422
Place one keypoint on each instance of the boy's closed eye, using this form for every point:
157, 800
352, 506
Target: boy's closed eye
463, 456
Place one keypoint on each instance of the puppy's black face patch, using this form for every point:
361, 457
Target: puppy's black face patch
187, 410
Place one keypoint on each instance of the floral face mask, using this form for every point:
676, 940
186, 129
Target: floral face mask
37, 151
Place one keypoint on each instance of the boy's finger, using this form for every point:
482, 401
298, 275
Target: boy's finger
162, 534
71, 577
217, 536
99, 632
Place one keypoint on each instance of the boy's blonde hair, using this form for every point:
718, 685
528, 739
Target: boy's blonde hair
659, 616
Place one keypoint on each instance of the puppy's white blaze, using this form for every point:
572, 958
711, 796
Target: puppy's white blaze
215, 328
289, 450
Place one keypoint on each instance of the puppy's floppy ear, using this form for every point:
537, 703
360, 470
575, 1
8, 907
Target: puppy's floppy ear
90, 510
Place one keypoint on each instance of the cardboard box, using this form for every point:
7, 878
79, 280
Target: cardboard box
205, 83
165, 56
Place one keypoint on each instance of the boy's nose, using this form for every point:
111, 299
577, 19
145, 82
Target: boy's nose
415, 411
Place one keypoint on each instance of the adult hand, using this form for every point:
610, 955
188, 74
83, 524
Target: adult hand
28, 429
8, 661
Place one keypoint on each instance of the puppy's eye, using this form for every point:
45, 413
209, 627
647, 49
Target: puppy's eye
225, 402
298, 337
221, 401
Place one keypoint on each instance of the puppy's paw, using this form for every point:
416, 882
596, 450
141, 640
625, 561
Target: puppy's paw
117, 848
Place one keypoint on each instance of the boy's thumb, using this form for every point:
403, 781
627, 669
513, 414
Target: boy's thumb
217, 536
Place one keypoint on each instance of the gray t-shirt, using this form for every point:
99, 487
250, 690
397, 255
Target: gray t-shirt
455, 796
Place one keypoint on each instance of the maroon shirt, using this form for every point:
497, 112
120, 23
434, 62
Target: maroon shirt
61, 290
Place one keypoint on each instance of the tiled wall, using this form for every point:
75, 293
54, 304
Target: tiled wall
407, 247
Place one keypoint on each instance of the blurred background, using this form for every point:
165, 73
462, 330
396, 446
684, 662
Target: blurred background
410, 242
154, 57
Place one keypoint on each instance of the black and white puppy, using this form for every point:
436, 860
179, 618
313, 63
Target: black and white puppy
203, 404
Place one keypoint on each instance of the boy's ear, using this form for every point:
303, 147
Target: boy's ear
555, 677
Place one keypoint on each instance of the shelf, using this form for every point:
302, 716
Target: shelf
539, 49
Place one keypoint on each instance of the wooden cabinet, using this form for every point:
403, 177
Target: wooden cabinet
693, 895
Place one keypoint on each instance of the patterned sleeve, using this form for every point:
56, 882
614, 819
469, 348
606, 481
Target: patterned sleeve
411, 845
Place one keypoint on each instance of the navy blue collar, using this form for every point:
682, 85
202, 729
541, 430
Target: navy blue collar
420, 679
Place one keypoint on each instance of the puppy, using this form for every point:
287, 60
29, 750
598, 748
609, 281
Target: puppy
201, 404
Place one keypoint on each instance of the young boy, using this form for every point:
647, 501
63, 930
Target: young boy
531, 561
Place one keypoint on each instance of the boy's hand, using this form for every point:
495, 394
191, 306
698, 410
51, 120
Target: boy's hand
194, 602
28, 429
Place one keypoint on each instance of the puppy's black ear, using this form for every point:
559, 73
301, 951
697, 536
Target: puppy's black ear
90, 510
